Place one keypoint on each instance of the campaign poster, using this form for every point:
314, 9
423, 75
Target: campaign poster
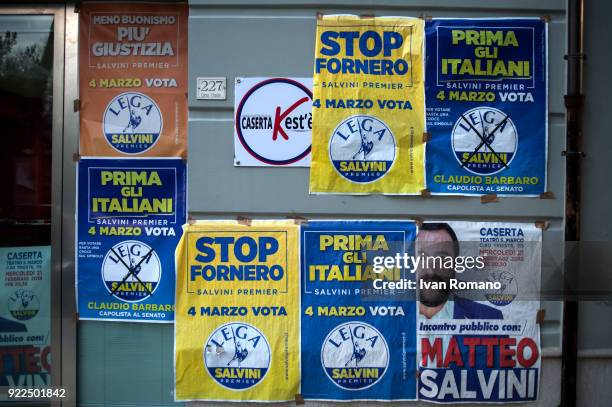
133, 79
478, 335
358, 341
273, 122
25, 316
487, 106
129, 220
368, 109
236, 335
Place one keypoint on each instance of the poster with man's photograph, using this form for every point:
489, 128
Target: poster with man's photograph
478, 335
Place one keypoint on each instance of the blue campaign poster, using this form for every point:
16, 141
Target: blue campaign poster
130, 214
486, 94
358, 339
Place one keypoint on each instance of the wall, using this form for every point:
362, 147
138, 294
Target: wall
125, 364
595, 329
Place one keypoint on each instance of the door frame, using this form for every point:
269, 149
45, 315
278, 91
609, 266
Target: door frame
67, 163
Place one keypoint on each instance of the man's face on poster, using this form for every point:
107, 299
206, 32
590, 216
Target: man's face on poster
440, 244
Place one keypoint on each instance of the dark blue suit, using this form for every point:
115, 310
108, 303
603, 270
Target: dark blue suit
468, 309
6, 325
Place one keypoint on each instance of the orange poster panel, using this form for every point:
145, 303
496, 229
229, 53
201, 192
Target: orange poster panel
133, 79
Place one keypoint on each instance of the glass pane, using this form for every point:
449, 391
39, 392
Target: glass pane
26, 74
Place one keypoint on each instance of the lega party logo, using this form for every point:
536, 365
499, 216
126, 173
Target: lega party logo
362, 149
355, 355
131, 271
132, 123
484, 140
508, 288
237, 356
23, 305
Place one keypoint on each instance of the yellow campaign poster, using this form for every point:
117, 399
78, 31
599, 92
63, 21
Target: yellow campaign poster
368, 115
237, 311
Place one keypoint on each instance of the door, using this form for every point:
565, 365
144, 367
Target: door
31, 129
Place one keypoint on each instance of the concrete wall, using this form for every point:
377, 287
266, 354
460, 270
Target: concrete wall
130, 364
595, 324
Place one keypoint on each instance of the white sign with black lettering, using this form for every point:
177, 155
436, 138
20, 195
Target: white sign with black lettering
211, 89
273, 122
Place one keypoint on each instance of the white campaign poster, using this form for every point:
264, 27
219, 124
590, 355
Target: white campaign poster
272, 122
478, 335
25, 323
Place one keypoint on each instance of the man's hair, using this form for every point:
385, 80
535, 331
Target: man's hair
437, 226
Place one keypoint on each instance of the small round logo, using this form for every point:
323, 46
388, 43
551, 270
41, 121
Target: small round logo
131, 271
355, 355
132, 123
508, 291
484, 140
362, 149
237, 356
274, 121
23, 305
